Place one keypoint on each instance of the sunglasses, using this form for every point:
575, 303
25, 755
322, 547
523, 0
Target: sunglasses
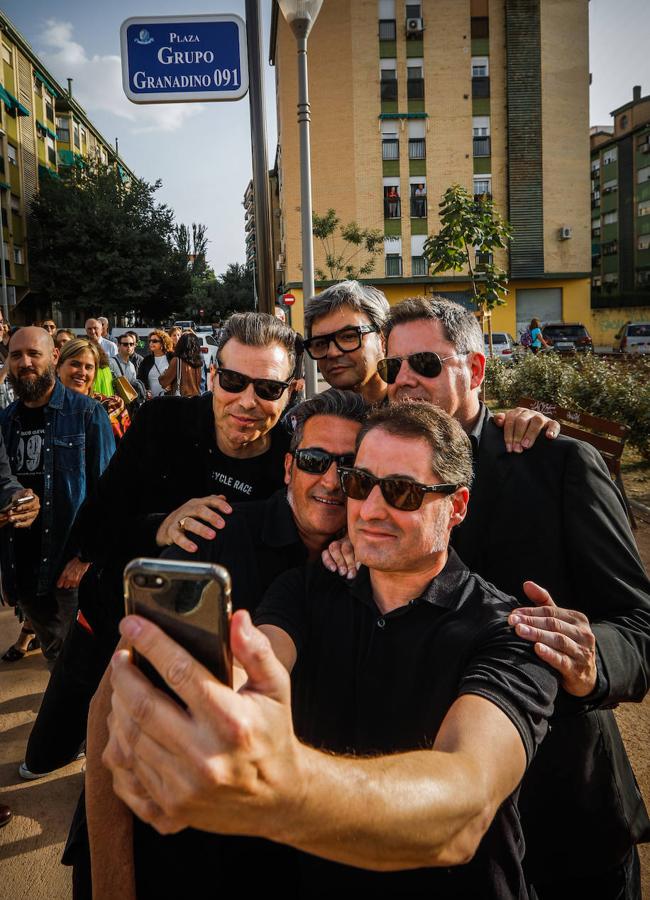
155, 341
317, 461
265, 388
400, 493
345, 339
427, 364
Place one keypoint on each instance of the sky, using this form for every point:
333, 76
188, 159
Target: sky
202, 151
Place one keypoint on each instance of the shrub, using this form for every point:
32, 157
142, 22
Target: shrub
613, 389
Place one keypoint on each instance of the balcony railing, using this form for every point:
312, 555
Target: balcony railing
483, 195
393, 265
418, 207
392, 208
390, 148
481, 87
389, 89
415, 88
417, 148
481, 146
387, 30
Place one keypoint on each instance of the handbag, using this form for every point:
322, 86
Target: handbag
124, 389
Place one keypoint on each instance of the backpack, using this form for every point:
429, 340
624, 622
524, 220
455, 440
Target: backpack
526, 339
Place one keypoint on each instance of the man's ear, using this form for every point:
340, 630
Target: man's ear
288, 467
459, 500
477, 366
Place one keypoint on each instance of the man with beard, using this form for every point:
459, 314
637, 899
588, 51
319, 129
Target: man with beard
59, 442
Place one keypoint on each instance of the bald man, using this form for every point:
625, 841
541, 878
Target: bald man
59, 442
95, 332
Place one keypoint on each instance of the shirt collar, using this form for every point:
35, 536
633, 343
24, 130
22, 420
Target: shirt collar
279, 527
445, 590
477, 430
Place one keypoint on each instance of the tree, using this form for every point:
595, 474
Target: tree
100, 243
192, 245
468, 227
231, 292
366, 243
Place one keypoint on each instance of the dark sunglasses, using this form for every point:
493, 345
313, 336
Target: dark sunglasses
429, 365
317, 461
155, 341
265, 388
400, 493
345, 339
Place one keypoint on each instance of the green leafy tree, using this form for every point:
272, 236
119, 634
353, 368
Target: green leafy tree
192, 245
349, 250
101, 243
468, 227
231, 292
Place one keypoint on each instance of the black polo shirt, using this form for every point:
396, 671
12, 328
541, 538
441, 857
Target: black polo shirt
373, 683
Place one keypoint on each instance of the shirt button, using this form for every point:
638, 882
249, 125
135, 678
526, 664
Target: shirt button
381, 623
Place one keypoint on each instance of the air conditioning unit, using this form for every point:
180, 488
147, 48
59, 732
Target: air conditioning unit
565, 233
645, 148
414, 27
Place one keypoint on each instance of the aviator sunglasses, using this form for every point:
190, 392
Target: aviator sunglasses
427, 364
265, 388
317, 461
400, 493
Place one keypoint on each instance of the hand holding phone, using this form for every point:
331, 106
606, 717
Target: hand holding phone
21, 510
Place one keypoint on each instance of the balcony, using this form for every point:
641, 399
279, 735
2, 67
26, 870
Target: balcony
393, 265
390, 148
484, 195
419, 207
417, 148
481, 146
392, 208
480, 87
415, 88
389, 89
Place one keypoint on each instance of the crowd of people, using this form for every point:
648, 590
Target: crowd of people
426, 662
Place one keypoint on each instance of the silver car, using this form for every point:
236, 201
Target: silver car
503, 346
634, 337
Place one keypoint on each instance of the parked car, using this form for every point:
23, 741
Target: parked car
633, 337
209, 346
568, 337
503, 346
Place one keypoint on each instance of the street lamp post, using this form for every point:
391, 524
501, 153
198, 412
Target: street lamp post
301, 15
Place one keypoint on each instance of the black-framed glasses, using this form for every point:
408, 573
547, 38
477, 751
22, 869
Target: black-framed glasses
265, 388
155, 341
317, 461
400, 493
345, 339
427, 364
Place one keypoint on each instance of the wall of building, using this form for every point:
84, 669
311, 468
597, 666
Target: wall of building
606, 322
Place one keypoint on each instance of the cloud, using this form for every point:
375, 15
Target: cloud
97, 83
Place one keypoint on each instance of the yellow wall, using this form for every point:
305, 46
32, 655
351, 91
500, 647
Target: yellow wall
606, 322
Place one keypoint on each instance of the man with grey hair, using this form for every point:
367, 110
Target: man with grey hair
343, 329
94, 330
550, 517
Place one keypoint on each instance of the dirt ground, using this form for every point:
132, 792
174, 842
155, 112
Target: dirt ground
32, 843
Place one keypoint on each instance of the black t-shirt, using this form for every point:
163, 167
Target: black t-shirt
27, 464
373, 683
254, 478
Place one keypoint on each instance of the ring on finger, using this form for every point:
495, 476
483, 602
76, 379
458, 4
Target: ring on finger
181, 523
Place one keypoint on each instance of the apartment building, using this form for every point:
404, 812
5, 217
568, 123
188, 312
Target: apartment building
42, 130
409, 98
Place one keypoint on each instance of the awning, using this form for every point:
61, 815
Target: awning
46, 130
5, 96
44, 81
15, 103
5, 186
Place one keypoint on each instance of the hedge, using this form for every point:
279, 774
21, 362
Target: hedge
618, 390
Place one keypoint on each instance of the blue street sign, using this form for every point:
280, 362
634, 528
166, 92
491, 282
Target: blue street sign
172, 59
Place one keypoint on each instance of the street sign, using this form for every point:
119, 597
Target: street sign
172, 59
289, 299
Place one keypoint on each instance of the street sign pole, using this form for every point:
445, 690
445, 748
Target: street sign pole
264, 264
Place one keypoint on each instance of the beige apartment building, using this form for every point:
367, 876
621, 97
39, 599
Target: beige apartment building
409, 98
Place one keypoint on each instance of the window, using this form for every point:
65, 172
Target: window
49, 111
610, 218
387, 30
610, 278
480, 27
6, 55
417, 148
596, 281
643, 175
388, 84
63, 130
38, 87
2, 165
419, 201
482, 187
643, 276
390, 148
610, 248
51, 155
644, 208
393, 264
480, 87
12, 154
18, 255
480, 126
610, 156
480, 67
392, 204
76, 135
643, 243
482, 259
609, 187
595, 231
415, 83
84, 136
418, 266
413, 10
595, 165
5, 220
622, 122
15, 205
481, 146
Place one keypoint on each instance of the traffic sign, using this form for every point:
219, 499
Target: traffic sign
172, 59
289, 299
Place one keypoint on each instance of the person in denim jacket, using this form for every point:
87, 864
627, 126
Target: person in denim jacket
59, 442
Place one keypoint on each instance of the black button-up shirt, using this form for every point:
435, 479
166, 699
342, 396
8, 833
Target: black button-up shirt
368, 682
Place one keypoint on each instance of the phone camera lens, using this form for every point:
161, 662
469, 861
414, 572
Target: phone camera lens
140, 580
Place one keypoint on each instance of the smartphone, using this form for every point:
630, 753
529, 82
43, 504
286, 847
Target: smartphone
16, 504
190, 602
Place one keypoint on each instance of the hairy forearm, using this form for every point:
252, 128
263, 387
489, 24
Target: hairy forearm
423, 808
110, 824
